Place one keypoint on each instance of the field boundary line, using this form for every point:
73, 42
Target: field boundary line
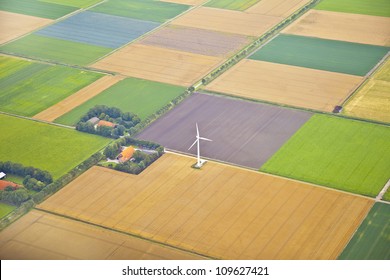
171, 151
383, 191
126, 233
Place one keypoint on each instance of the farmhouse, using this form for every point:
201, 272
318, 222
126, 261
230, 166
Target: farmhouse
126, 154
4, 184
106, 123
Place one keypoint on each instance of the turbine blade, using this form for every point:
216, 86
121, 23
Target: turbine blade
193, 144
202, 138
197, 130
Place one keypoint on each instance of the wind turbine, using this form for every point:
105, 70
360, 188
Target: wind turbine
198, 138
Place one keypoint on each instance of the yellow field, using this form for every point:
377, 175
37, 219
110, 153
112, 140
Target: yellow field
278, 8
39, 235
284, 84
14, 25
372, 101
219, 211
78, 98
227, 21
159, 64
342, 26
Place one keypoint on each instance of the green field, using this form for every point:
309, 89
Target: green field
344, 154
36, 8
150, 10
372, 240
52, 49
239, 5
44, 146
5, 209
322, 54
14, 178
138, 96
74, 3
387, 195
35, 87
365, 7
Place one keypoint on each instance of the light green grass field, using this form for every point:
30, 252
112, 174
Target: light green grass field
322, 54
5, 209
14, 178
36, 8
138, 96
141, 9
344, 154
74, 3
387, 195
52, 49
239, 5
44, 146
365, 7
372, 240
35, 87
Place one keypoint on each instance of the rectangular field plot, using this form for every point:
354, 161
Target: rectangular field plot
356, 28
52, 49
5, 209
371, 241
278, 8
227, 21
35, 87
74, 3
243, 133
159, 64
14, 25
322, 54
366, 7
284, 84
372, 101
138, 96
186, 2
219, 211
44, 146
43, 236
349, 155
239, 5
36, 8
196, 40
98, 29
150, 10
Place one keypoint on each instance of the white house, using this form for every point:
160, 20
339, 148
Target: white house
2, 175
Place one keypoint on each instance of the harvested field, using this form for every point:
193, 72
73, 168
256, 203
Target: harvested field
186, 2
52, 49
227, 21
98, 29
34, 87
366, 7
219, 211
14, 25
278, 8
36, 8
322, 54
156, 11
353, 156
78, 98
140, 97
371, 241
159, 64
196, 40
342, 26
43, 236
284, 84
44, 146
372, 101
243, 133
239, 5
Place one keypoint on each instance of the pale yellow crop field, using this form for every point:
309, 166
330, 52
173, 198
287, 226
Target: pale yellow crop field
219, 211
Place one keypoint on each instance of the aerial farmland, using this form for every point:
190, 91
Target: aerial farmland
287, 101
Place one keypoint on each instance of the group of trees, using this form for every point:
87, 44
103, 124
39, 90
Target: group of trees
123, 120
23, 171
14, 196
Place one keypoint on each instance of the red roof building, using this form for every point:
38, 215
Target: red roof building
106, 123
4, 184
126, 154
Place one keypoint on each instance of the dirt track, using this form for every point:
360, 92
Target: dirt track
219, 211
78, 98
342, 26
14, 25
296, 86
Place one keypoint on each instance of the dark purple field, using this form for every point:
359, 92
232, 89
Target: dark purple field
243, 133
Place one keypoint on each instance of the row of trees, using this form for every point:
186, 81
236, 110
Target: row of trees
123, 120
23, 171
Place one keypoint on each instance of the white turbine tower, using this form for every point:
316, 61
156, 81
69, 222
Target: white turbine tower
198, 138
